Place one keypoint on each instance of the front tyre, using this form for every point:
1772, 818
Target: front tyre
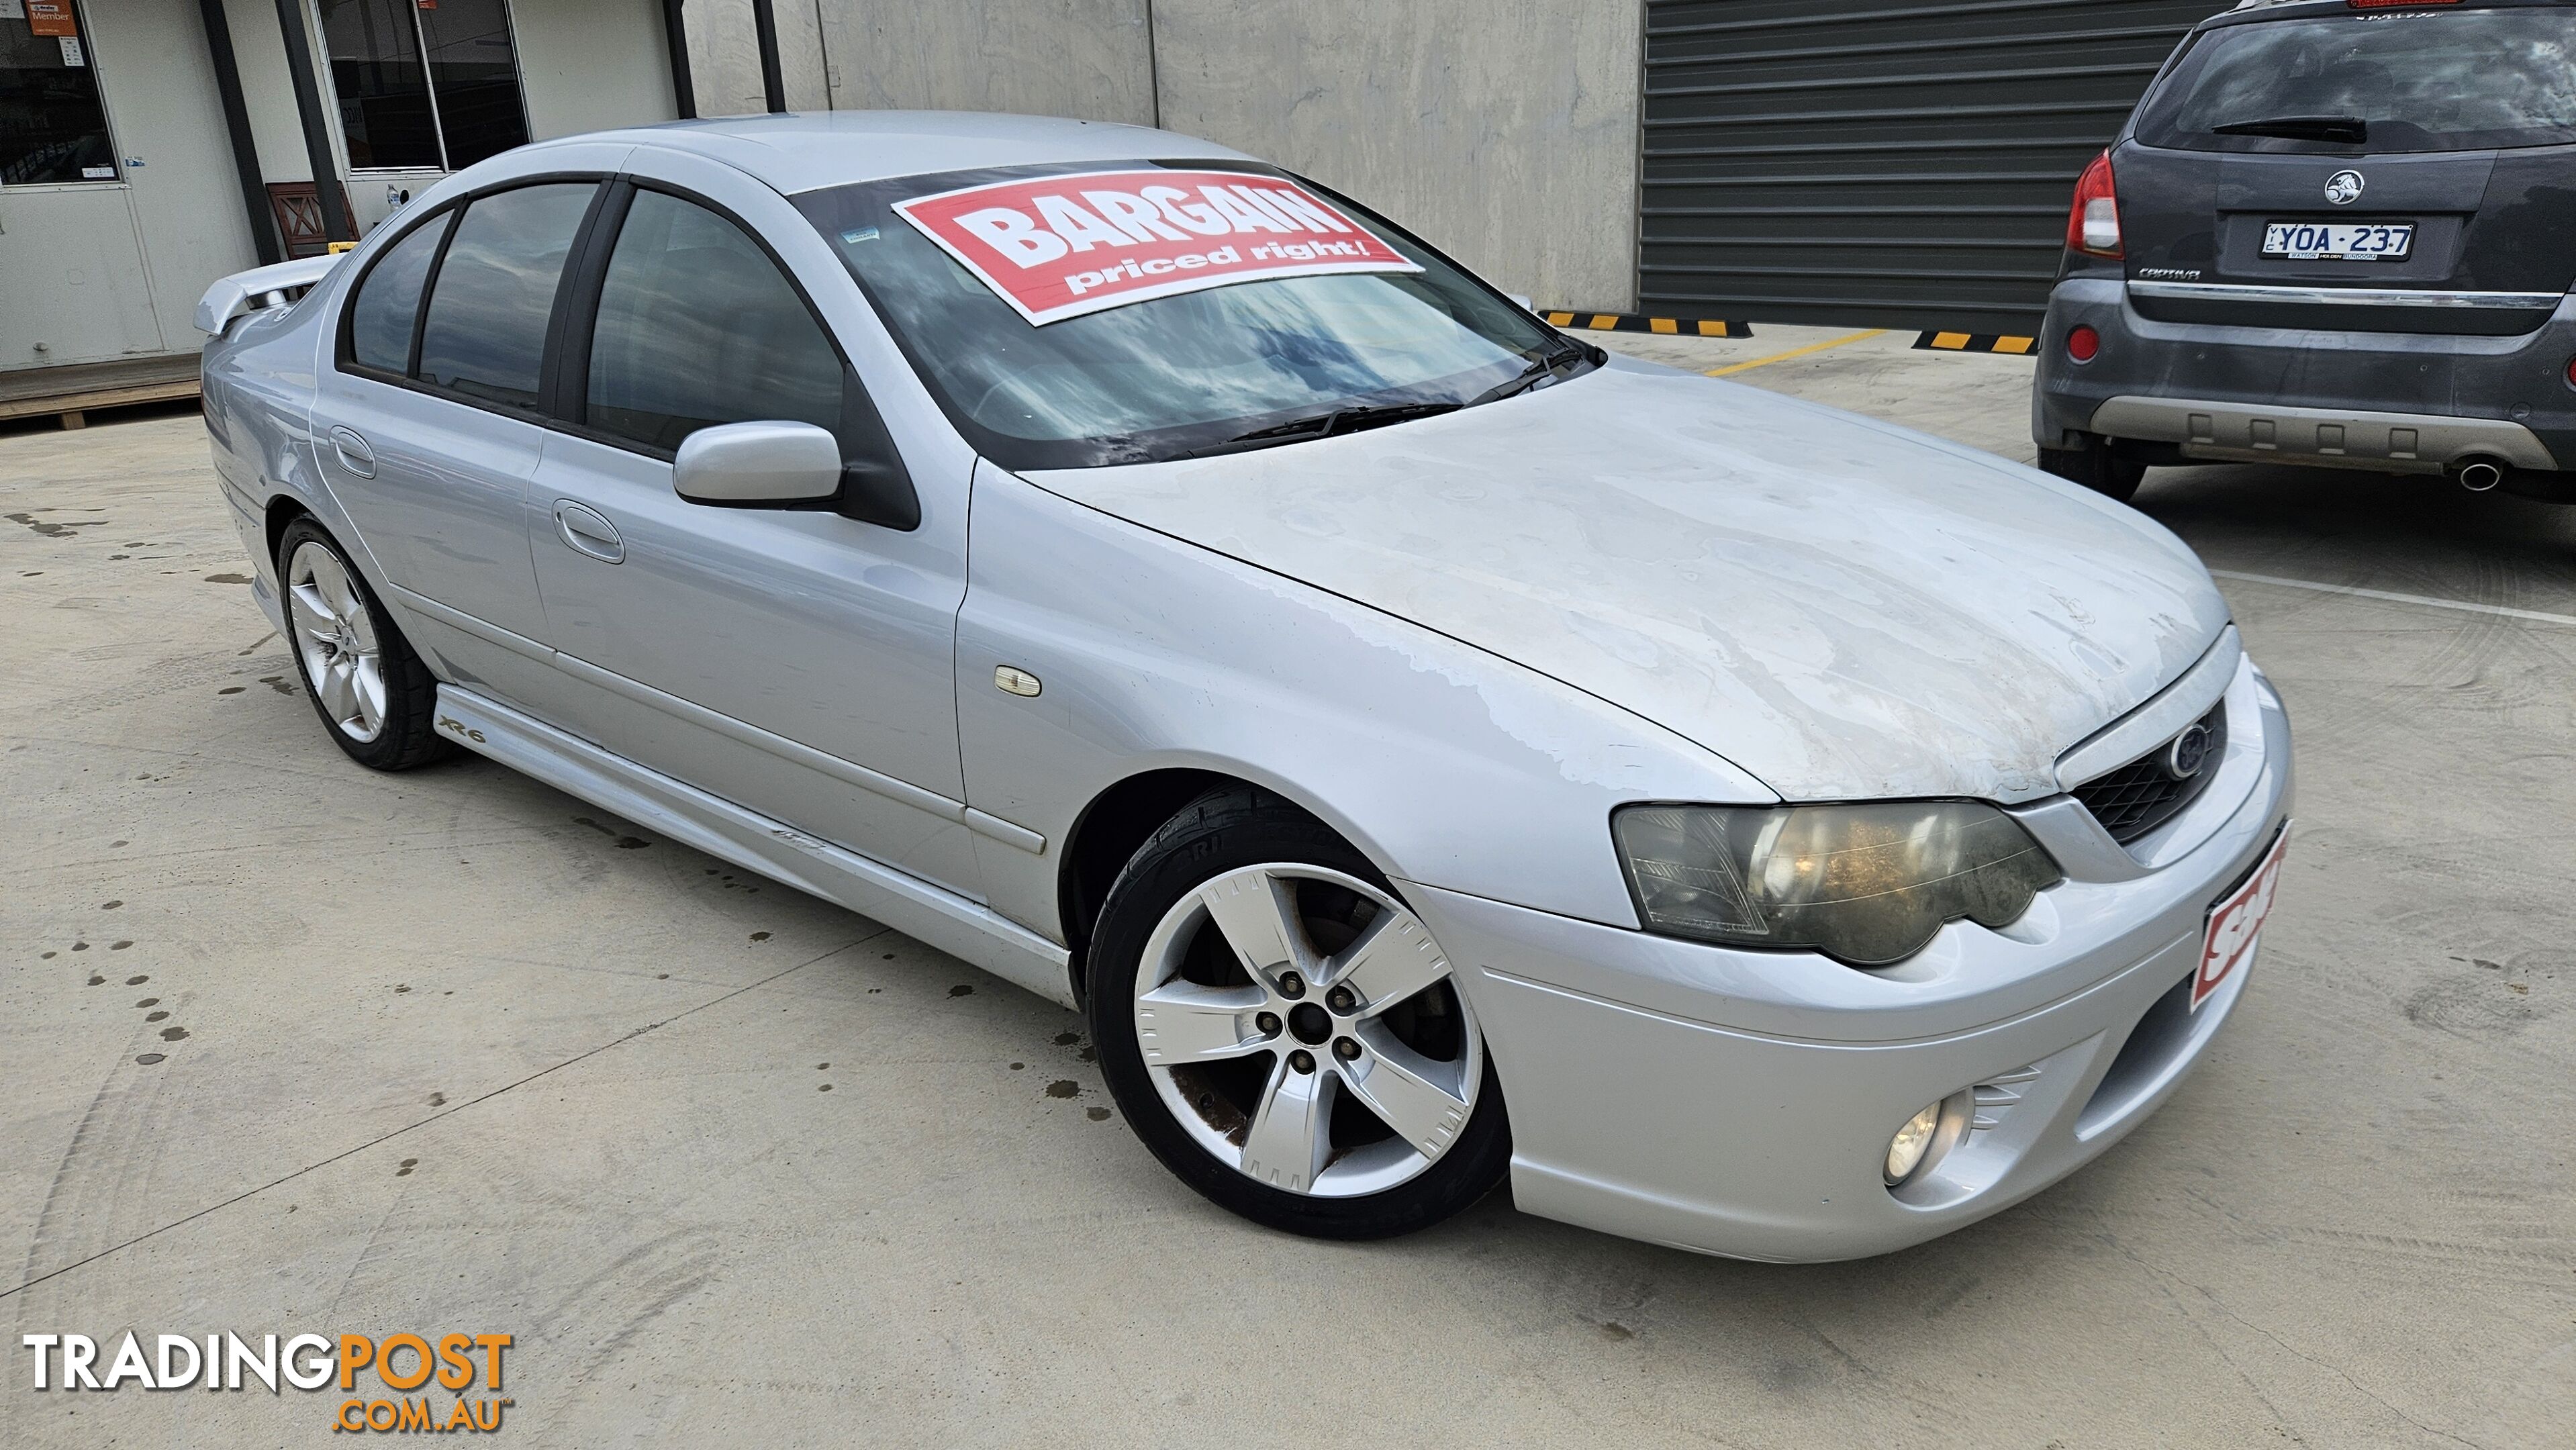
1285, 1034
372, 691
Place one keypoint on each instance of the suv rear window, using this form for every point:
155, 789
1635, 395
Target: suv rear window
2450, 80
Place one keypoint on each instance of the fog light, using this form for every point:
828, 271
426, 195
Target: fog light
2083, 343
2571, 372
1905, 1151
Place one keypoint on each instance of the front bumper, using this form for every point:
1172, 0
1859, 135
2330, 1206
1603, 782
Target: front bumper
2387, 402
1740, 1103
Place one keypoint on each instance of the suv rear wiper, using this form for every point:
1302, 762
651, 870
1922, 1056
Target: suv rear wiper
2352, 130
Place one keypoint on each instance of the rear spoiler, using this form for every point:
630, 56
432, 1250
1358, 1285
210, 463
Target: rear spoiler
259, 288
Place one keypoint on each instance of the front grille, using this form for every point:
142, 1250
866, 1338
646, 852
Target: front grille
2144, 794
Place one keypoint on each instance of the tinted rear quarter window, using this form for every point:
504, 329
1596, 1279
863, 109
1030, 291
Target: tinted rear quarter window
698, 327
485, 332
2423, 80
388, 303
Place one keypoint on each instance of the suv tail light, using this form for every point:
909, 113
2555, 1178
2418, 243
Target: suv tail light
2093, 224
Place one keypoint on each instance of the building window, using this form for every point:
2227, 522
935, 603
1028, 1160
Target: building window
52, 127
424, 83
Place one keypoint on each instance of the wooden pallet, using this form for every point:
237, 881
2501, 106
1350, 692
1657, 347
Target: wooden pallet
72, 392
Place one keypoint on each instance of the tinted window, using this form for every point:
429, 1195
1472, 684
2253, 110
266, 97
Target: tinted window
486, 330
1160, 378
698, 327
422, 84
384, 95
474, 73
2459, 80
388, 305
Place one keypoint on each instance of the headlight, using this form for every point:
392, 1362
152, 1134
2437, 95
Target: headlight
1868, 885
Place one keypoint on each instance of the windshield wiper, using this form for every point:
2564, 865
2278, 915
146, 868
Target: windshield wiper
1325, 425
1379, 415
2351, 130
1541, 370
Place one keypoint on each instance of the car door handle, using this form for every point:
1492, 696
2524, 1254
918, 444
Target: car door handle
355, 455
585, 530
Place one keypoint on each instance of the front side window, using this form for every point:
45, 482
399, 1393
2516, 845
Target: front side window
1177, 374
424, 85
696, 327
52, 126
387, 308
485, 332
2416, 80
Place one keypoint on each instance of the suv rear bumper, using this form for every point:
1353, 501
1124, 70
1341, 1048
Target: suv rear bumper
2385, 402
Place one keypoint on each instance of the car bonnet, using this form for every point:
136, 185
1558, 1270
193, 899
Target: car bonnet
1842, 608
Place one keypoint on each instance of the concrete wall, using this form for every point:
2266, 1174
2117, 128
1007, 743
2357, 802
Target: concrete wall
1503, 131
1083, 58
587, 65
724, 56
268, 90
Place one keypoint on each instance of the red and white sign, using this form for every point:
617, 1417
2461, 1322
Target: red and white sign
2236, 923
1062, 246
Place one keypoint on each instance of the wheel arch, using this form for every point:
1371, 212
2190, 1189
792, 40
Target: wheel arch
1110, 829
282, 511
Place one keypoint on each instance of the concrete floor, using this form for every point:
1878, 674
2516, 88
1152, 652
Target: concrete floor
285, 1045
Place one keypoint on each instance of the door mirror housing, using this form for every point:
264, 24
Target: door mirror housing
751, 465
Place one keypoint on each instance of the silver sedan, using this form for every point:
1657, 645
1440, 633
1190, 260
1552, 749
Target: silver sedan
1429, 749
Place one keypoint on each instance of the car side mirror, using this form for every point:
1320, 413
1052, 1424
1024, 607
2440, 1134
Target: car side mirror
755, 464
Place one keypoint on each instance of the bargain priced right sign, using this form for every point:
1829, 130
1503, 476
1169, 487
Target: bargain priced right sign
1065, 246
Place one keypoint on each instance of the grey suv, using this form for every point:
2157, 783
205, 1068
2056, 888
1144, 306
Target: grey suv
2335, 233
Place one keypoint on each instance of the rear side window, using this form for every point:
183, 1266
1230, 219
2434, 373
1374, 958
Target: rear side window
388, 304
2451, 80
697, 326
485, 332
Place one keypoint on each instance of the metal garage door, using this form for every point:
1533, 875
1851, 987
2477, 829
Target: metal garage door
1891, 165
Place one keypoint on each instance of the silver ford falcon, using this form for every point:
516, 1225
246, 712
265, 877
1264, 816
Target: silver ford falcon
1428, 748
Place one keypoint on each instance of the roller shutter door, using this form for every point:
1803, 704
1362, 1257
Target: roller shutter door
1890, 165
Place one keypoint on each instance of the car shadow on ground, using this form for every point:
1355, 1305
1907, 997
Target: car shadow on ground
2417, 534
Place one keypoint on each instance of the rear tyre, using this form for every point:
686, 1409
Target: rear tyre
375, 697
2096, 467
1283, 1032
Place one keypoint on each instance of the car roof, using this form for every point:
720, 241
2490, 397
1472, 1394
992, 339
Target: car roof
2251, 11
802, 150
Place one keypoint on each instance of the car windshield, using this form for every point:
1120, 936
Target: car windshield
2451, 80
1184, 374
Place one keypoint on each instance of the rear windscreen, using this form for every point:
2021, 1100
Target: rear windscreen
2446, 80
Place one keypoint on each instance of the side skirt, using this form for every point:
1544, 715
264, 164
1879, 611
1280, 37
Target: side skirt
755, 842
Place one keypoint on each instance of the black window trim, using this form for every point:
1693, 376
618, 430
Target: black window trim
869, 454
446, 214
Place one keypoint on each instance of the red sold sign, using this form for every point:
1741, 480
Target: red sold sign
1062, 246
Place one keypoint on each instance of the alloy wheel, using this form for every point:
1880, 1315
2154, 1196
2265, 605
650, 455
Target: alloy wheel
1304, 1028
336, 638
